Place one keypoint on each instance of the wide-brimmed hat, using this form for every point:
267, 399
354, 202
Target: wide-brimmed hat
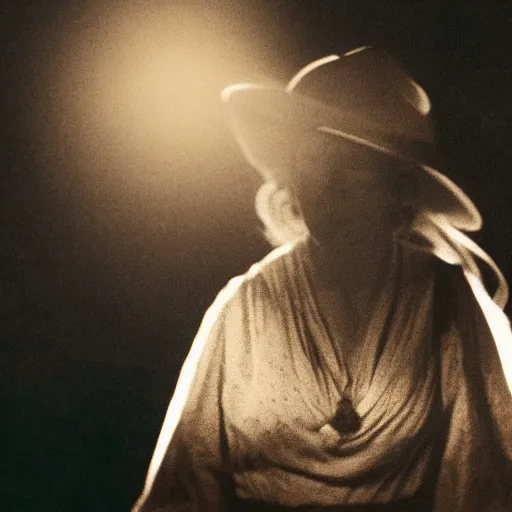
365, 97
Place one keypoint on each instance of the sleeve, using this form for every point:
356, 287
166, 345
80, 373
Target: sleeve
189, 470
476, 470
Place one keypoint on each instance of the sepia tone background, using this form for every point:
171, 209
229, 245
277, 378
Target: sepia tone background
125, 205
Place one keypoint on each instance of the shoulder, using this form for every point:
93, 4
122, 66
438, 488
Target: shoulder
278, 270
248, 303
268, 278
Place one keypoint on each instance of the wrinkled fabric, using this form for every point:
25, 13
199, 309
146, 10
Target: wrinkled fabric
263, 379
284, 380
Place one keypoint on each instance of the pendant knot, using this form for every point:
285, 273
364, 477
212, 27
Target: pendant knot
346, 420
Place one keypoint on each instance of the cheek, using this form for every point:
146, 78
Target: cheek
363, 202
362, 212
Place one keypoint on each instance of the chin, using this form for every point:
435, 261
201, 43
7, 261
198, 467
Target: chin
354, 233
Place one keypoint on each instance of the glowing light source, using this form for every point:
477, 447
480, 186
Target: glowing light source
146, 80
127, 115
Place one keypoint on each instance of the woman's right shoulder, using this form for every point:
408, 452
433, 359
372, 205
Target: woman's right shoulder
266, 281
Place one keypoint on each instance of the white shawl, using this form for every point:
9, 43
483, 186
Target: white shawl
216, 433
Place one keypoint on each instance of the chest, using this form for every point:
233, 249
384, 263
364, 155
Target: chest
345, 323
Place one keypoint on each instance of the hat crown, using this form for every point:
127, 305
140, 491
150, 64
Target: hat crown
372, 85
366, 97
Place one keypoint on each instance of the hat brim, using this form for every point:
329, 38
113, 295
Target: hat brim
267, 123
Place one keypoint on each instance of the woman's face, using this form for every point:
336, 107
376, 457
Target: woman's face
343, 190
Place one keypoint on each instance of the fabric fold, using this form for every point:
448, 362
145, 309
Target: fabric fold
247, 413
453, 247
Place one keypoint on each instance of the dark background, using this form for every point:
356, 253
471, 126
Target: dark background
112, 245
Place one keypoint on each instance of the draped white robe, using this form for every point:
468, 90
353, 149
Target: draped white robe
262, 380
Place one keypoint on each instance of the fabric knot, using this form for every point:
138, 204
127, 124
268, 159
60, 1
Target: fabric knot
346, 420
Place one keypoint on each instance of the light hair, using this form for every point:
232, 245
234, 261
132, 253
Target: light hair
280, 214
284, 223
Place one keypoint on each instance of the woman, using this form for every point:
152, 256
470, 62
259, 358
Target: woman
361, 365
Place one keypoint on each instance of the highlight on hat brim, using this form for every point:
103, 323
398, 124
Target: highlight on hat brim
439, 192
448, 198
267, 123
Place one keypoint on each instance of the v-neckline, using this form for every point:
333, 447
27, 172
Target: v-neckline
350, 380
